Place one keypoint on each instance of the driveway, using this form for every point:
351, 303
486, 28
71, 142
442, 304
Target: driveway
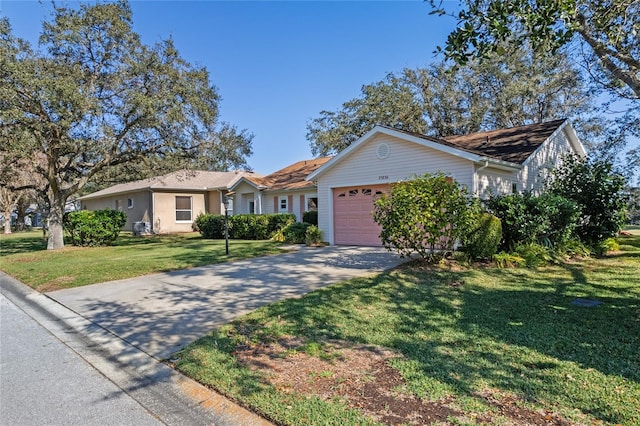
162, 313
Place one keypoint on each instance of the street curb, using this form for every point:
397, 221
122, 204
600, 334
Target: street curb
169, 395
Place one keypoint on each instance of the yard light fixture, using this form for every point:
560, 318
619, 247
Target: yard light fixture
225, 200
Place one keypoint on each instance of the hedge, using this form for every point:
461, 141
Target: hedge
93, 227
243, 226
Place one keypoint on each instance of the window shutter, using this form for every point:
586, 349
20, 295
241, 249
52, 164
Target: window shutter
275, 204
303, 208
290, 204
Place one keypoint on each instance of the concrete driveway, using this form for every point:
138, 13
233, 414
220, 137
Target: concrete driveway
162, 313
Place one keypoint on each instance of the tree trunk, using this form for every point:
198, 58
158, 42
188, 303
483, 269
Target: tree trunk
56, 214
7, 221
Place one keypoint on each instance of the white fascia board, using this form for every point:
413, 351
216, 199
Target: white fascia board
248, 182
400, 135
494, 163
574, 139
95, 195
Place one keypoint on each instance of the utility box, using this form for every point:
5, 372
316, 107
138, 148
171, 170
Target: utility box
141, 228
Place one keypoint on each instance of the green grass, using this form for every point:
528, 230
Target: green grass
511, 331
634, 229
24, 256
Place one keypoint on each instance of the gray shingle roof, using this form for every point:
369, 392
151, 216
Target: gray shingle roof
181, 180
513, 145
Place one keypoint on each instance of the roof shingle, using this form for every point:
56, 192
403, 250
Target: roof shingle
514, 145
290, 177
198, 180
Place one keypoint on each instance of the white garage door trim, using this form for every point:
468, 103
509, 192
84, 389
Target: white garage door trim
352, 220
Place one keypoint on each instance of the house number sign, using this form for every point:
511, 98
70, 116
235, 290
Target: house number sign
383, 177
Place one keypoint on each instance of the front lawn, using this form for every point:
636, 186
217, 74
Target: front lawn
24, 256
445, 346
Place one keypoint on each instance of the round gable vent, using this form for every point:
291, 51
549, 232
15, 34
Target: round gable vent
382, 151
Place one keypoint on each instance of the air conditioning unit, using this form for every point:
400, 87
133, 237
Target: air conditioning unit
141, 228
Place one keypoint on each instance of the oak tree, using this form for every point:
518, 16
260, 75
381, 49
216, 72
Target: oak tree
92, 96
609, 30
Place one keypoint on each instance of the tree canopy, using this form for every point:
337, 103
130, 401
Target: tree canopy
441, 100
609, 30
92, 97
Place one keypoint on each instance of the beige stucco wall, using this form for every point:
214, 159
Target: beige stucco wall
214, 202
164, 217
140, 212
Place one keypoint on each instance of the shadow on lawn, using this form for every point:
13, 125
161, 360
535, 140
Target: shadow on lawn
469, 336
22, 244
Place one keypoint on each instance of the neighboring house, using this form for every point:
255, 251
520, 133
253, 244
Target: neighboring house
166, 204
500, 162
284, 191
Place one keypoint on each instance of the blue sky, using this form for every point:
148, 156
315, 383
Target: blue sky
278, 64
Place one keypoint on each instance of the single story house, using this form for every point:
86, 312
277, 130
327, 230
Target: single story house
500, 162
283, 191
343, 188
166, 204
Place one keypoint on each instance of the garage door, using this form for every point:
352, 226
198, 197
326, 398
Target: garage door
352, 220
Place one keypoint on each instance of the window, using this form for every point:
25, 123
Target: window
118, 205
312, 203
183, 208
514, 188
282, 204
252, 207
129, 203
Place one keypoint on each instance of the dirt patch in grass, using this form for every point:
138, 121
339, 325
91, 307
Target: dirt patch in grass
362, 377
56, 284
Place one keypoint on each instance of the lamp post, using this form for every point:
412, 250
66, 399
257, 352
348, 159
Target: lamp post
225, 200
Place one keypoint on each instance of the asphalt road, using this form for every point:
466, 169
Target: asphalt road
44, 382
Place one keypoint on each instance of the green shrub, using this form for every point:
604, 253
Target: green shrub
313, 235
425, 215
546, 219
93, 227
249, 227
610, 244
210, 225
243, 226
311, 217
534, 254
279, 220
278, 236
484, 239
296, 232
574, 248
508, 260
598, 190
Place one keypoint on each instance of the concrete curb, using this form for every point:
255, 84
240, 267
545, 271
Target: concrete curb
172, 397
